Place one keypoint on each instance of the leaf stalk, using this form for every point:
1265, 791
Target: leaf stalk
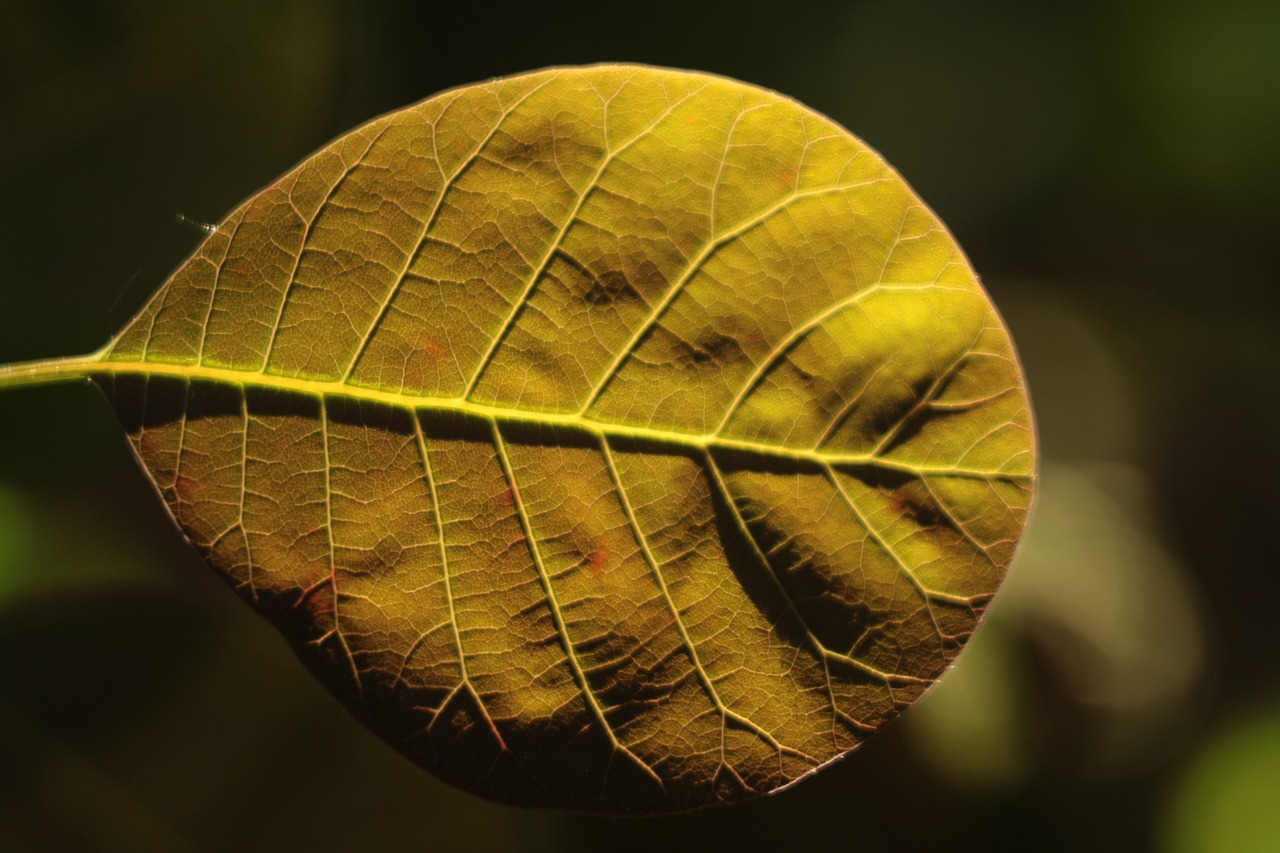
47, 371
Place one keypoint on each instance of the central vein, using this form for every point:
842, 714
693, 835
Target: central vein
93, 366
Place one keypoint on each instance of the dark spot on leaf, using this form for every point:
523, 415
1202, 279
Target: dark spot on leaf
918, 508
609, 288
711, 346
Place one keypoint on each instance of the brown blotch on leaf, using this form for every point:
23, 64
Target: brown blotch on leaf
597, 561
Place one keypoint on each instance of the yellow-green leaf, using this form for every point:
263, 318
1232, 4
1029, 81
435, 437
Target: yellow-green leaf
612, 439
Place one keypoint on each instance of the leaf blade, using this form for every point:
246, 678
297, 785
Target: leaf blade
643, 445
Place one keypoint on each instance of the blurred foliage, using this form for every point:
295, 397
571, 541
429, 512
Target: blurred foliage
1111, 169
1226, 798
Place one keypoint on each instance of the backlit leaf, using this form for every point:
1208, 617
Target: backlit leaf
611, 439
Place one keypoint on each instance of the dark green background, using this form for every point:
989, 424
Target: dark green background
1111, 168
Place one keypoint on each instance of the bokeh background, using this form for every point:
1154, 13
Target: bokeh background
1111, 168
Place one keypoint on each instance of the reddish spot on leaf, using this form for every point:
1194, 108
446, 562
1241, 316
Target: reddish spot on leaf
787, 177
414, 373
319, 602
597, 561
434, 348
186, 487
314, 591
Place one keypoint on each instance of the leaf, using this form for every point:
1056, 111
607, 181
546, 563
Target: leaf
612, 439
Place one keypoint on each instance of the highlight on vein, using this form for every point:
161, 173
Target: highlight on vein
613, 438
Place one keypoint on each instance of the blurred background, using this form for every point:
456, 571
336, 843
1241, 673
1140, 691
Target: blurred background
1112, 170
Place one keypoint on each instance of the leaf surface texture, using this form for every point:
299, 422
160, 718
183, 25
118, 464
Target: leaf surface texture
613, 439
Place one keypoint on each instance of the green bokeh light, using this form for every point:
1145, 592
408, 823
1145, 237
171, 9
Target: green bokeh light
1228, 795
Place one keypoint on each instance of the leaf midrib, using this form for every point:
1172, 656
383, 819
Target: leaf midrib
99, 366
